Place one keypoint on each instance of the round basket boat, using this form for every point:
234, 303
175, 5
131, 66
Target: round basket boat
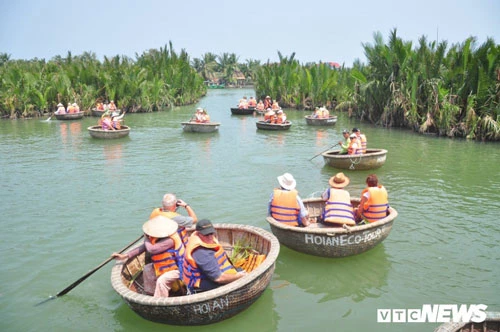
69, 116
195, 127
373, 158
490, 324
320, 240
206, 307
242, 111
273, 126
98, 132
312, 121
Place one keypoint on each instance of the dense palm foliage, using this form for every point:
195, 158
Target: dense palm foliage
294, 85
434, 88
155, 80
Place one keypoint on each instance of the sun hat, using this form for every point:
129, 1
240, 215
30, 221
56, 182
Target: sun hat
205, 227
287, 181
339, 181
355, 130
59, 105
280, 111
159, 226
345, 131
199, 109
352, 136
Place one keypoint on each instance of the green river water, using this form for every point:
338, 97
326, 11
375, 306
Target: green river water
68, 201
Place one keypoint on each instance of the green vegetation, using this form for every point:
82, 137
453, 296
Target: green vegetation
429, 88
155, 80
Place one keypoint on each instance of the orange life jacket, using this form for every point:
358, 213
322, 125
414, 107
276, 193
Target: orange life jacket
362, 139
171, 259
171, 214
350, 149
338, 208
191, 275
377, 205
285, 208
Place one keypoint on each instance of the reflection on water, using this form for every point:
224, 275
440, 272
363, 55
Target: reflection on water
356, 277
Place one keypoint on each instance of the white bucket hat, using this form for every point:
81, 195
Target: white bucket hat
287, 181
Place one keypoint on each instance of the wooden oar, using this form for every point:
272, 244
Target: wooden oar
88, 274
324, 151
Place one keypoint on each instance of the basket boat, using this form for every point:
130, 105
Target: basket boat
98, 132
325, 241
206, 307
196, 127
242, 111
273, 126
373, 158
69, 116
312, 121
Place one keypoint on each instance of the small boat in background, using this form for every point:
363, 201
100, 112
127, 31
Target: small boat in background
69, 116
98, 132
373, 158
273, 126
242, 111
312, 121
198, 127
326, 241
206, 307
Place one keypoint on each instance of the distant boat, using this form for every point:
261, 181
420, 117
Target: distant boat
312, 121
206, 307
373, 158
273, 126
325, 241
216, 86
197, 127
99, 113
69, 116
98, 132
242, 111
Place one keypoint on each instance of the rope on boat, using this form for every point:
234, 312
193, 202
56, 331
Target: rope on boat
354, 162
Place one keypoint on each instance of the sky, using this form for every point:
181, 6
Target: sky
314, 30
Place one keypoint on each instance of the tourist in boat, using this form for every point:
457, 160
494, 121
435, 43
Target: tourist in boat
206, 264
323, 113
106, 122
260, 106
112, 106
201, 116
361, 139
275, 106
205, 117
344, 146
270, 116
354, 146
252, 103
70, 109
285, 204
243, 104
280, 117
164, 245
338, 207
60, 109
99, 106
268, 103
76, 107
374, 203
169, 206
116, 120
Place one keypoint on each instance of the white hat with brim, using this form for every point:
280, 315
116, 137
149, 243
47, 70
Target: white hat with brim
159, 227
59, 105
287, 181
